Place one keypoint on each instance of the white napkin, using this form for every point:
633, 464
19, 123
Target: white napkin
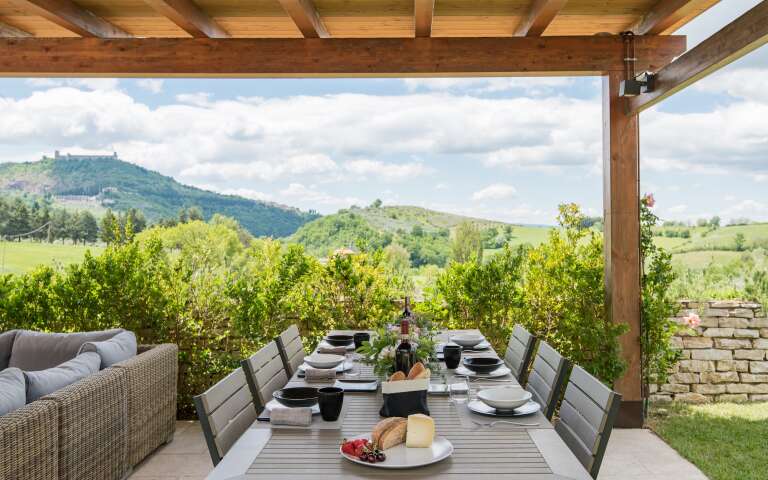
299, 417
319, 374
334, 350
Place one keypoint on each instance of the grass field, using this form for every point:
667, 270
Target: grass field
704, 258
724, 238
726, 441
21, 257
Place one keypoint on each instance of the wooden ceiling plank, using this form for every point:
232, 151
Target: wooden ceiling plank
189, 17
380, 57
423, 12
662, 16
738, 38
306, 18
11, 31
72, 17
539, 17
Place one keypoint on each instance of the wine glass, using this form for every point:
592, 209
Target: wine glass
351, 359
459, 390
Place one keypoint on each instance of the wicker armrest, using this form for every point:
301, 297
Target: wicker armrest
92, 427
29, 442
151, 378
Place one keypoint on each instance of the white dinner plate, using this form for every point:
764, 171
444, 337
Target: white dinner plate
478, 406
342, 367
401, 456
499, 372
323, 360
323, 343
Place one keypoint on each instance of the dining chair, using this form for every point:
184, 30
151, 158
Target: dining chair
587, 415
519, 353
226, 411
547, 378
264, 373
291, 349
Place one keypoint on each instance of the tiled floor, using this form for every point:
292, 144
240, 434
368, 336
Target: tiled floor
631, 455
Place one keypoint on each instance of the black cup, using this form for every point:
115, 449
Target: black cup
452, 356
331, 400
361, 337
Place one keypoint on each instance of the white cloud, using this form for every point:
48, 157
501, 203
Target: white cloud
496, 191
248, 193
743, 83
386, 171
530, 86
677, 209
311, 197
89, 83
153, 85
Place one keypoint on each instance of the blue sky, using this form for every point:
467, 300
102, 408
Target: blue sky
504, 148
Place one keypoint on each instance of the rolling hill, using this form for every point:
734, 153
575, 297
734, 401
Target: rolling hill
95, 183
424, 233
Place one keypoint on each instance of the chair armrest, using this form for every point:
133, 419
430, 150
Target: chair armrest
29, 442
92, 427
151, 378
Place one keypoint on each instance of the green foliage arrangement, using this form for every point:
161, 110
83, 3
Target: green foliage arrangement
380, 350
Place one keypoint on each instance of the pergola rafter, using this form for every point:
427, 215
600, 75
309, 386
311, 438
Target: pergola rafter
11, 31
539, 37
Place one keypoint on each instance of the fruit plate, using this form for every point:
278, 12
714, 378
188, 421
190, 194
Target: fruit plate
400, 456
499, 372
478, 406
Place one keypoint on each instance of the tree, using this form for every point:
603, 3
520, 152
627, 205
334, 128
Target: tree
715, 222
60, 221
702, 222
740, 242
194, 213
138, 220
417, 231
467, 243
18, 221
109, 227
376, 203
397, 257
87, 227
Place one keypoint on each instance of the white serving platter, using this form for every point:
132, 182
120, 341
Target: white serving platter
342, 367
499, 372
400, 456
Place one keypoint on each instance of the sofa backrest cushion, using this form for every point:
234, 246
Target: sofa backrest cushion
43, 382
33, 351
12, 390
6, 343
118, 348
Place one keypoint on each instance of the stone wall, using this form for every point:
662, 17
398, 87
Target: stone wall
724, 359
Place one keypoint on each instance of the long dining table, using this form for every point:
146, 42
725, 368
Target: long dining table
533, 451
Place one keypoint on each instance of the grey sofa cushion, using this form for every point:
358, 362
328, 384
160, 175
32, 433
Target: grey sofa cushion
33, 351
12, 390
6, 343
43, 382
118, 348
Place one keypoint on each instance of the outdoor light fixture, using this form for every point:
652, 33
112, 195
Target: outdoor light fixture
633, 85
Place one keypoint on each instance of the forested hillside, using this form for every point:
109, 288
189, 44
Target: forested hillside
121, 186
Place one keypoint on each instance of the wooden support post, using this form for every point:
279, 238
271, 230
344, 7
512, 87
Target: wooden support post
621, 203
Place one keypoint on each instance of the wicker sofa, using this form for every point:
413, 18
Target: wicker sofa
98, 428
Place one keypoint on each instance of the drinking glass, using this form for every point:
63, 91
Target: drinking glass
351, 359
331, 400
452, 356
459, 390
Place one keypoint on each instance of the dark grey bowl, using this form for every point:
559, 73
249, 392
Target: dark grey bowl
483, 365
297, 396
339, 340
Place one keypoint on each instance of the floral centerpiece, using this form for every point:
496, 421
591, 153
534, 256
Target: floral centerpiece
380, 350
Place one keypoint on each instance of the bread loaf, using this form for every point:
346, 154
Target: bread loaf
416, 370
390, 432
397, 376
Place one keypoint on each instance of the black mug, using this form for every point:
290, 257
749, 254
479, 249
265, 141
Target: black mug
452, 356
361, 337
331, 399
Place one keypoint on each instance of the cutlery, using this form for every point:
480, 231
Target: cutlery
494, 423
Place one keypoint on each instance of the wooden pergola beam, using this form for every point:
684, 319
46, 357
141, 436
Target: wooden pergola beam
189, 17
423, 11
743, 35
72, 17
347, 57
306, 18
668, 13
539, 17
11, 31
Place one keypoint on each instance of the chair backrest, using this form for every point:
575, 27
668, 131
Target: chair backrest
226, 411
587, 415
291, 349
547, 379
265, 373
520, 353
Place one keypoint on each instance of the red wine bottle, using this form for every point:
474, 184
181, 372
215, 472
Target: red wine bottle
405, 355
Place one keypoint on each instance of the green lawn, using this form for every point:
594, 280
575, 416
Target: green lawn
702, 259
726, 441
21, 257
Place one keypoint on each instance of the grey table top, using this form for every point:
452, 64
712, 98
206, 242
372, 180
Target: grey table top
499, 452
